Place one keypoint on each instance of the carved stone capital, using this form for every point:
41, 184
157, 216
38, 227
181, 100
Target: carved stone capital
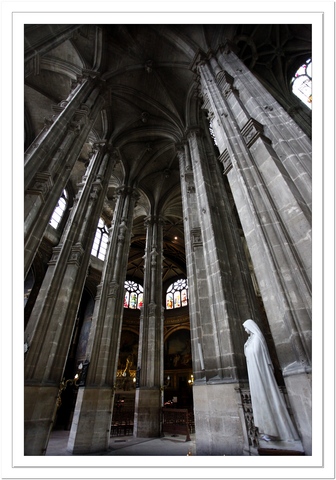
153, 255
55, 254
113, 289
122, 231
59, 107
99, 145
193, 132
225, 159
124, 190
42, 184
189, 178
99, 291
198, 61
76, 254
253, 130
225, 82
74, 127
154, 219
196, 238
79, 80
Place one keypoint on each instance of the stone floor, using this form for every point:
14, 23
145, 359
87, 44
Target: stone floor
129, 445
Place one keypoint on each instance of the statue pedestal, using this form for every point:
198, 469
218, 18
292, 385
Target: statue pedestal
280, 448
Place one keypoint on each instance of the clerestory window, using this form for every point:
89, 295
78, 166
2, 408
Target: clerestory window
133, 295
302, 83
58, 213
99, 247
177, 294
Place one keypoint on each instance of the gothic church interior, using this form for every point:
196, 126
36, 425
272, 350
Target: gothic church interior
167, 200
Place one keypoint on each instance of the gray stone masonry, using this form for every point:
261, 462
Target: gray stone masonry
52, 320
270, 182
92, 422
148, 399
50, 160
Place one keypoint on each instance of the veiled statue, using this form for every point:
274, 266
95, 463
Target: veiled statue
270, 413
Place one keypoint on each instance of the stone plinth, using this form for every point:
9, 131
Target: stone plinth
147, 418
299, 391
217, 422
90, 429
280, 448
40, 407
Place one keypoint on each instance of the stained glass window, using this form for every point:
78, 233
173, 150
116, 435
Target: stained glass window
133, 295
100, 242
302, 83
59, 210
177, 294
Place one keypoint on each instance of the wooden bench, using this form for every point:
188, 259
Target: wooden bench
176, 422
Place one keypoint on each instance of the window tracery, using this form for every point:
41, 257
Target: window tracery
58, 213
177, 294
133, 295
100, 241
302, 83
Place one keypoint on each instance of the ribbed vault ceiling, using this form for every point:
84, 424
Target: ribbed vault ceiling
149, 94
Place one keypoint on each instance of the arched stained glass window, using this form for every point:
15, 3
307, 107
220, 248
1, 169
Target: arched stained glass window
177, 294
100, 242
133, 295
58, 213
302, 83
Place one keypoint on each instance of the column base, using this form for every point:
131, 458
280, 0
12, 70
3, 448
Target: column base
218, 424
299, 390
147, 418
40, 408
91, 424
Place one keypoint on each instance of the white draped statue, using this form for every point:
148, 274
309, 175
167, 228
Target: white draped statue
269, 409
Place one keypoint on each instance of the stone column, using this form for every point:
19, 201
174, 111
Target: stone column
91, 425
148, 397
197, 286
226, 296
52, 320
50, 159
266, 158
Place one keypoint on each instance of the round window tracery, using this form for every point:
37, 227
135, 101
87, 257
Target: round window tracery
302, 83
177, 294
133, 295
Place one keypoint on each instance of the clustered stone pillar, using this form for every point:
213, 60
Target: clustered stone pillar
51, 323
91, 425
148, 398
267, 160
51, 157
220, 294
198, 306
